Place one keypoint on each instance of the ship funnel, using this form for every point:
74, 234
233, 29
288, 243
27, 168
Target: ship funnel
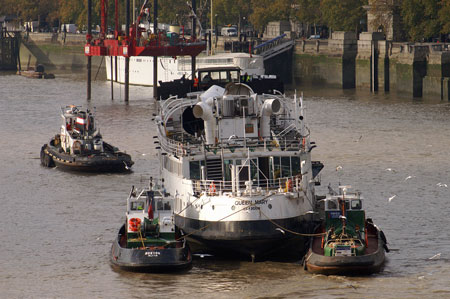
269, 107
204, 111
213, 91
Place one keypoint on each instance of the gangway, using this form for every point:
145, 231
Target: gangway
274, 47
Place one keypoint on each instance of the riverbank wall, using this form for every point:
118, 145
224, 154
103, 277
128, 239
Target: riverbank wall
370, 62
58, 53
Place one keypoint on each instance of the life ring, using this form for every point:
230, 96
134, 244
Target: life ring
212, 188
134, 224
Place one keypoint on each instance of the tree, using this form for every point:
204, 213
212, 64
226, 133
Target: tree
420, 18
342, 15
308, 11
229, 12
265, 11
444, 16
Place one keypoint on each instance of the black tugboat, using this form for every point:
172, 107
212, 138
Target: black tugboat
346, 243
80, 147
149, 240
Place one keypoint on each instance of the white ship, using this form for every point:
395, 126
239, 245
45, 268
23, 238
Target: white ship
169, 68
239, 166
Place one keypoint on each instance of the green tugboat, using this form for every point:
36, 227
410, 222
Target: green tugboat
346, 243
149, 240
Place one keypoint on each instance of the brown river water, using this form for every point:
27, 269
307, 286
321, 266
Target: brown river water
57, 227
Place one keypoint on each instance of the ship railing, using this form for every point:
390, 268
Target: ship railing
173, 104
246, 187
194, 147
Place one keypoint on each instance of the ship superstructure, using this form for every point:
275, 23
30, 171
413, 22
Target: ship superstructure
239, 166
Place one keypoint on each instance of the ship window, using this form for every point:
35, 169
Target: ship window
254, 169
159, 205
194, 170
215, 75
227, 169
137, 205
356, 204
234, 76
295, 165
285, 166
167, 206
331, 205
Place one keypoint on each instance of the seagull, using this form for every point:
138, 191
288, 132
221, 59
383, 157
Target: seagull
390, 169
202, 255
435, 257
339, 167
280, 230
441, 185
409, 177
232, 137
392, 197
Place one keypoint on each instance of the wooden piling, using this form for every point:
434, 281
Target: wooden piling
194, 35
89, 58
127, 59
155, 58
112, 81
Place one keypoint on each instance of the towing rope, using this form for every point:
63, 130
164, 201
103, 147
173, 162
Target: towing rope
244, 208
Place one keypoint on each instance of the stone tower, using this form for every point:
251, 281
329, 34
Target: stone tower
384, 16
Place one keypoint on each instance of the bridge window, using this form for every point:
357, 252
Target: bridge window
295, 165
137, 205
286, 166
331, 205
356, 204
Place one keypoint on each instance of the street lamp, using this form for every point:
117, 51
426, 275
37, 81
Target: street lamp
217, 33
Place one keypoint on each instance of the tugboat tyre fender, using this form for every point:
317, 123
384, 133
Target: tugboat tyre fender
46, 160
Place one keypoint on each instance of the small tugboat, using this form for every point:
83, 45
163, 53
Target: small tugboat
80, 146
149, 240
346, 243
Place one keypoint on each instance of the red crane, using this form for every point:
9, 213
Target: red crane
135, 44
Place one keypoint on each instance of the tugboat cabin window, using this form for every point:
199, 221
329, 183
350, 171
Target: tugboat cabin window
137, 205
331, 204
163, 205
356, 204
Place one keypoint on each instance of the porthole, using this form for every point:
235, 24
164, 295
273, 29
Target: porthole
270, 206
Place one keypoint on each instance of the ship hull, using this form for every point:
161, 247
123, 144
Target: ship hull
149, 259
103, 162
257, 238
371, 262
